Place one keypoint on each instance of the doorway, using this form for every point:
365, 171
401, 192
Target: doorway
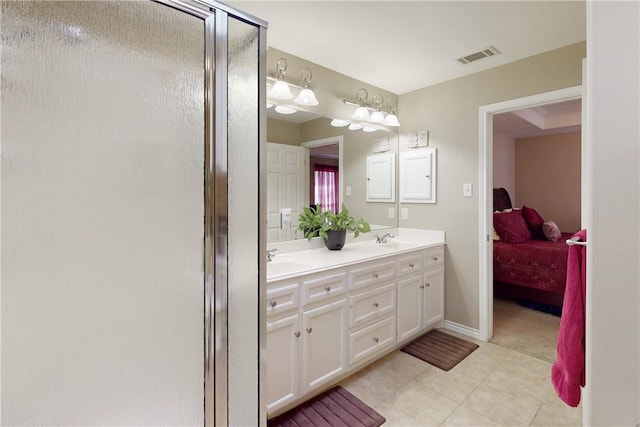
486, 185
327, 154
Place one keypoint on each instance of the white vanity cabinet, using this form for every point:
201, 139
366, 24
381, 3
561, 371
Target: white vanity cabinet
324, 325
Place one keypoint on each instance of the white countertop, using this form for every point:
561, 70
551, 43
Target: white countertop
297, 257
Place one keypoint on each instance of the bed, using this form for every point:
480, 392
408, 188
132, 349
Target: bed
534, 269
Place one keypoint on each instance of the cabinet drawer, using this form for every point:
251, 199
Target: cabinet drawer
372, 339
373, 273
323, 288
434, 257
282, 298
373, 304
409, 264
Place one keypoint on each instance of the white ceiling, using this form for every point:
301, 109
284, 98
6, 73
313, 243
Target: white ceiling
547, 119
402, 46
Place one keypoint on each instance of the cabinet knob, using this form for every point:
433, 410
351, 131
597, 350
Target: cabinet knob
327, 288
297, 334
376, 275
375, 339
411, 265
274, 303
375, 304
421, 286
435, 258
428, 284
309, 330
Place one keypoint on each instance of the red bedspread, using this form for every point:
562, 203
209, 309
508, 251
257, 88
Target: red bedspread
538, 264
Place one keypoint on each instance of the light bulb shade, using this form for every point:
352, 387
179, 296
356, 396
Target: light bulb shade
283, 109
376, 117
369, 129
355, 126
280, 90
339, 123
391, 120
306, 97
270, 104
361, 114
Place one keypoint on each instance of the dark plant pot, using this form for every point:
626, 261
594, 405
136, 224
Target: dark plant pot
335, 239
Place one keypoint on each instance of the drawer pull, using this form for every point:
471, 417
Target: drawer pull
327, 288
375, 339
435, 258
309, 330
421, 286
428, 284
376, 275
411, 265
375, 304
297, 334
274, 303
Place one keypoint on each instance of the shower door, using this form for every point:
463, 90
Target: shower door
114, 207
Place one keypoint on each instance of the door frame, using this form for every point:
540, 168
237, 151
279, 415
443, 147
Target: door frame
338, 139
485, 183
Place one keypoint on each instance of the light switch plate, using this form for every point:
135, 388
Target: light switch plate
467, 190
392, 213
348, 190
405, 213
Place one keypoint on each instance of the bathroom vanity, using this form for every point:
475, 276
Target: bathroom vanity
330, 313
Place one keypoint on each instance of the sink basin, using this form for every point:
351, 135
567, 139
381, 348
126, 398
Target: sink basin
373, 247
280, 267
395, 246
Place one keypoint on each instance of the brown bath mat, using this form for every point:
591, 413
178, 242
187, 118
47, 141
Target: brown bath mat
333, 408
442, 350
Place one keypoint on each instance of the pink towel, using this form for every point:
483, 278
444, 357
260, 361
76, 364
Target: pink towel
567, 373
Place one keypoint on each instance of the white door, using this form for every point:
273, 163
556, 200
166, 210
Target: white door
409, 307
324, 344
283, 361
287, 189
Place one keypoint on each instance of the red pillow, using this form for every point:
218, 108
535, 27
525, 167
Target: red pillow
534, 222
511, 227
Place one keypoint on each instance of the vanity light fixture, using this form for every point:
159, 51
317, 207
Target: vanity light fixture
369, 129
361, 113
391, 119
280, 89
284, 109
377, 116
306, 95
339, 123
355, 126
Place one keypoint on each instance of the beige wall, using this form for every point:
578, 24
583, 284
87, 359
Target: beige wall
548, 177
450, 112
281, 132
504, 160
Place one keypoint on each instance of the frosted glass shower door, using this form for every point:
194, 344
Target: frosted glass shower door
102, 212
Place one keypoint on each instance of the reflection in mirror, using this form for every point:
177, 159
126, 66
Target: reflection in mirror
315, 140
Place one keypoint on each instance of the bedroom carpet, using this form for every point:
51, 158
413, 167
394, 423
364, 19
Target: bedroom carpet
524, 330
440, 349
334, 408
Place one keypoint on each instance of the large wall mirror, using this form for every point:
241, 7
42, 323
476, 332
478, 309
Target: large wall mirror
310, 161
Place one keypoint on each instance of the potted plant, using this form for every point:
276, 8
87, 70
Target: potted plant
331, 226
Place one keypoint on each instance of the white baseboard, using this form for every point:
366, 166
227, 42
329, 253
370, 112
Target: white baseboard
462, 329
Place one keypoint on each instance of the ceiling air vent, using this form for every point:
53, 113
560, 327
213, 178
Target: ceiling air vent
490, 51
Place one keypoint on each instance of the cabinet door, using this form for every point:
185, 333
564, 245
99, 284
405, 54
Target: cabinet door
418, 176
409, 314
433, 297
323, 348
283, 361
381, 178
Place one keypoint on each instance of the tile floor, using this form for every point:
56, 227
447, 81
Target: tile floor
493, 386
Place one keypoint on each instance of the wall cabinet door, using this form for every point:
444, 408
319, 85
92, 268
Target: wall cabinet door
283, 361
418, 176
433, 297
381, 178
409, 314
324, 343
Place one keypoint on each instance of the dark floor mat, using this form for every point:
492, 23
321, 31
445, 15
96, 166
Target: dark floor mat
333, 408
439, 349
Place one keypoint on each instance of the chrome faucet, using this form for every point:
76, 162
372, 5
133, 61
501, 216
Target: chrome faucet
383, 239
270, 254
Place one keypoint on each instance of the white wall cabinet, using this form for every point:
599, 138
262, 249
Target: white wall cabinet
418, 176
324, 326
381, 178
